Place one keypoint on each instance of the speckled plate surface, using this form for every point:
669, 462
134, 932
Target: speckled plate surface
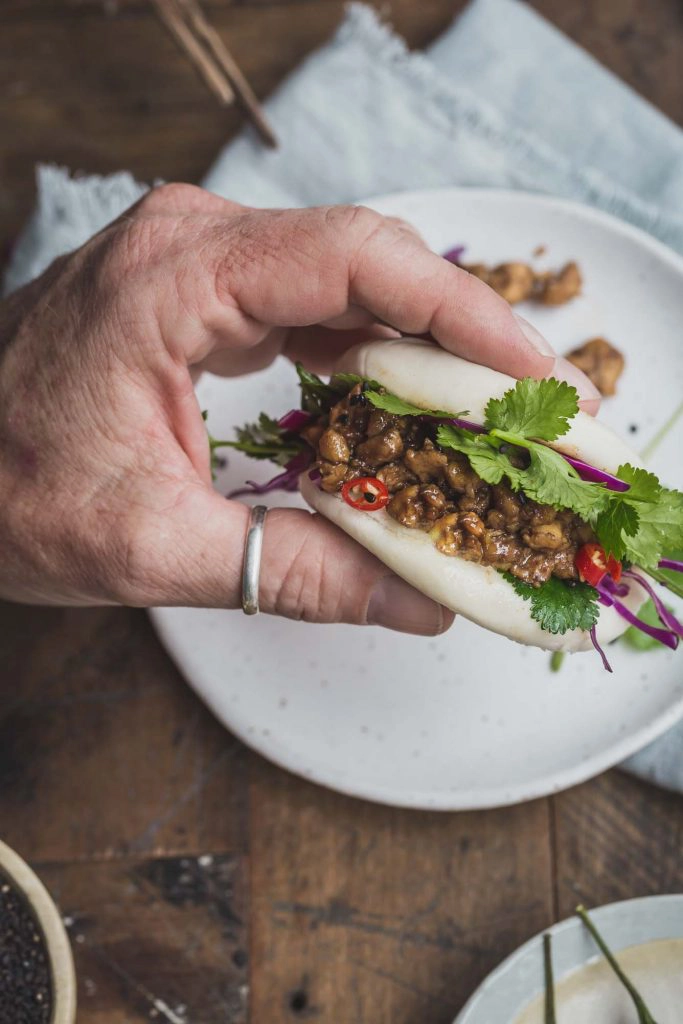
646, 935
470, 719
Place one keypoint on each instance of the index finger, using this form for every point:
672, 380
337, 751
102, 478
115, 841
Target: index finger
318, 262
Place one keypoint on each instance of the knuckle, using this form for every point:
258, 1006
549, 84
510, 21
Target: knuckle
359, 222
170, 198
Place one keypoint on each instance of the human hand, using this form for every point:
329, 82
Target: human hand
104, 462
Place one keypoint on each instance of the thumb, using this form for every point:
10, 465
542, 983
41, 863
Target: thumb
310, 569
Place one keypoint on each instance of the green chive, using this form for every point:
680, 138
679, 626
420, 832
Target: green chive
556, 659
644, 1015
549, 1017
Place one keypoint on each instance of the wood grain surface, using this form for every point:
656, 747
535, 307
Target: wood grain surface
199, 883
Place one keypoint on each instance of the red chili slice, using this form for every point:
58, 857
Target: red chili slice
592, 564
366, 493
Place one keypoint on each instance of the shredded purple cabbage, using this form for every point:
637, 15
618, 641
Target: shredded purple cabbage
609, 596
288, 480
595, 475
670, 563
666, 617
598, 648
455, 254
294, 420
476, 428
665, 636
614, 589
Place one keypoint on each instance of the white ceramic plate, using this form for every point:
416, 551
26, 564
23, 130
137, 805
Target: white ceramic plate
646, 935
470, 719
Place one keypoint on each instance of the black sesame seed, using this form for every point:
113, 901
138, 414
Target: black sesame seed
633, 427
370, 497
25, 983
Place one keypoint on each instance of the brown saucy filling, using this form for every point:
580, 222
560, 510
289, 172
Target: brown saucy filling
438, 492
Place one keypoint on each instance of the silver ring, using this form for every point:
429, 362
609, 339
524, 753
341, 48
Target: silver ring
253, 545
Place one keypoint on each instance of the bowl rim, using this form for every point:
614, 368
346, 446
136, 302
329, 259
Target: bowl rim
62, 972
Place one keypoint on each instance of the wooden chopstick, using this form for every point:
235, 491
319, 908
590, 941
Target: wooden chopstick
174, 22
185, 20
227, 62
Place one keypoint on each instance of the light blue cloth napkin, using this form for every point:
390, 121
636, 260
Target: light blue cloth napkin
501, 99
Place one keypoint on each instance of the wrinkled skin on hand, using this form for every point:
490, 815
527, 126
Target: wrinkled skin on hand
104, 463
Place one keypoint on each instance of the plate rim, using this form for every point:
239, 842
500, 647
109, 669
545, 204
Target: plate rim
470, 799
644, 903
464, 800
571, 206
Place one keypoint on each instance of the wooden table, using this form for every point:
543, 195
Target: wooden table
199, 882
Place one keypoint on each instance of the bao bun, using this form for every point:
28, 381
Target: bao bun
428, 376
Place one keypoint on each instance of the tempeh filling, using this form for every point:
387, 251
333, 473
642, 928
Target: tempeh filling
438, 492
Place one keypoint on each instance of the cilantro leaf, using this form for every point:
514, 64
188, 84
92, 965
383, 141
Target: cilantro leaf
397, 406
660, 517
660, 529
489, 462
534, 408
643, 486
262, 440
316, 396
559, 606
617, 519
638, 523
550, 480
343, 382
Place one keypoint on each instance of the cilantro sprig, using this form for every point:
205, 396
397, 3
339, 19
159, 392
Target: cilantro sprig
641, 524
547, 479
317, 397
558, 606
532, 412
264, 439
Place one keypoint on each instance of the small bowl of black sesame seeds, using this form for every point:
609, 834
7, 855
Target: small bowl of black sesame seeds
37, 979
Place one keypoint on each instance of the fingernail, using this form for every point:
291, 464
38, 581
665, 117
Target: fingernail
396, 605
589, 396
534, 337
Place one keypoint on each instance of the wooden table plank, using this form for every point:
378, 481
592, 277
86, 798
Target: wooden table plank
640, 41
616, 838
363, 913
156, 938
99, 93
103, 748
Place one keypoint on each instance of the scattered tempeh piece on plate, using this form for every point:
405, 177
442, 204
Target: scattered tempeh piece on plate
554, 288
601, 362
517, 281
